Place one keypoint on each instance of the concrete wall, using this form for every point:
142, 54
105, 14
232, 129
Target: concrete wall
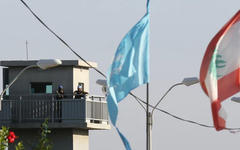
62, 139
80, 139
58, 76
81, 75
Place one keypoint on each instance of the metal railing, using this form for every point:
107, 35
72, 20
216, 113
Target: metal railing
36, 108
97, 109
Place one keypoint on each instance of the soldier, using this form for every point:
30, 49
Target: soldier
79, 93
58, 104
60, 92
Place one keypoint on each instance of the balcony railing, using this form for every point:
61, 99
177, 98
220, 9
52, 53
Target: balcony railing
36, 108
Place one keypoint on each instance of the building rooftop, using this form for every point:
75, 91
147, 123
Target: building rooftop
23, 63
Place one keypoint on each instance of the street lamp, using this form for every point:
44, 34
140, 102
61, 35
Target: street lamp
42, 63
235, 99
103, 83
187, 82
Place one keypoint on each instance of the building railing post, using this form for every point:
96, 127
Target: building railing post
86, 110
101, 108
92, 108
52, 108
20, 109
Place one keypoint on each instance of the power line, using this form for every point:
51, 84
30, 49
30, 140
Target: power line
65, 43
57, 36
136, 98
232, 130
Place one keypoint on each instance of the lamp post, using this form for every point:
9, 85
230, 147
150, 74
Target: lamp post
186, 81
42, 63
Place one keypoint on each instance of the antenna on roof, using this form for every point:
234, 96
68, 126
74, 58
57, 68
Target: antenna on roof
27, 49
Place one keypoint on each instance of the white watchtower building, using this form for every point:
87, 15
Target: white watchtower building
32, 99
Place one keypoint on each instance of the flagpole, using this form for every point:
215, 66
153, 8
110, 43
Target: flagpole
147, 110
148, 122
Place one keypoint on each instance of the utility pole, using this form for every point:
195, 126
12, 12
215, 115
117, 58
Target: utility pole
148, 122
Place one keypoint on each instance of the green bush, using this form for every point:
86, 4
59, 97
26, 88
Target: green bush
8, 137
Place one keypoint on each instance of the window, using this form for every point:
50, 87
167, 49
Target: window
41, 88
6, 79
7, 91
49, 89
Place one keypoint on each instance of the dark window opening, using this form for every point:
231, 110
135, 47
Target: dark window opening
41, 88
6, 80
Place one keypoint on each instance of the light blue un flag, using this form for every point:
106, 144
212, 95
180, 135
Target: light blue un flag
130, 68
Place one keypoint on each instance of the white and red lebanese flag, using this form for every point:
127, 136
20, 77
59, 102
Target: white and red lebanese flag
220, 69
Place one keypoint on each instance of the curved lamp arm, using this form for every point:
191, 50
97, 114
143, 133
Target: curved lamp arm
42, 63
18, 75
186, 82
165, 95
